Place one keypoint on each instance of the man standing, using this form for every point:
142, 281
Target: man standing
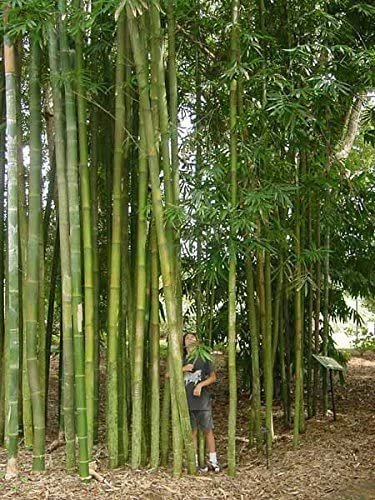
198, 375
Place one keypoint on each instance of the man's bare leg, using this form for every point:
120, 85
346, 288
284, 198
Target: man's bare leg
195, 439
210, 440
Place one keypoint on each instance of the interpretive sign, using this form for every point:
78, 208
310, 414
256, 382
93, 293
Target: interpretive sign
330, 364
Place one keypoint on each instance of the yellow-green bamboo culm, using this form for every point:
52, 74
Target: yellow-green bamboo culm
2, 242
12, 333
165, 256
63, 214
137, 381
89, 298
115, 261
232, 252
34, 367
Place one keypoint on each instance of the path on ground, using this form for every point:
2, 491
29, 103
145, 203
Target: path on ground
334, 461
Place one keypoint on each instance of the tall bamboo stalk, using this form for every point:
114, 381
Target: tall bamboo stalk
89, 298
66, 278
232, 252
325, 316
137, 382
298, 322
33, 262
12, 375
75, 253
254, 340
155, 353
317, 307
165, 256
25, 411
165, 423
173, 129
284, 368
2, 242
310, 310
94, 221
51, 308
267, 351
115, 261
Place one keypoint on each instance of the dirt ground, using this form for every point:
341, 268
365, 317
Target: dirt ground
334, 461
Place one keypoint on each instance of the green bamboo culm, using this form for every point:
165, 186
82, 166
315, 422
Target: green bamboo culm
2, 243
165, 423
267, 351
13, 341
232, 253
173, 130
63, 214
177, 442
310, 311
87, 239
115, 262
33, 261
298, 323
254, 339
25, 411
75, 253
137, 382
325, 317
165, 256
155, 353
317, 308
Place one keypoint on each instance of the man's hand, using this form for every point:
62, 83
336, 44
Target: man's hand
197, 390
188, 368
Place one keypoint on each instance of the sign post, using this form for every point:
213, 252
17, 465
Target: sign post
331, 365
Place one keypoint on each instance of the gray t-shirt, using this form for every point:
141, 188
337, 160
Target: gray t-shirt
202, 370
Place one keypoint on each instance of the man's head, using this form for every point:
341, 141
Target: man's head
189, 341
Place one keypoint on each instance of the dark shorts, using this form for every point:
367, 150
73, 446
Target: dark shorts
201, 419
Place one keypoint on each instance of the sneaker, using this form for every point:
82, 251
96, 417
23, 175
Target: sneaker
202, 470
214, 467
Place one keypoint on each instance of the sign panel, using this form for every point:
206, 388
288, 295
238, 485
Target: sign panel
329, 363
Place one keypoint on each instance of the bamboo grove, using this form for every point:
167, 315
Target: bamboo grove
167, 165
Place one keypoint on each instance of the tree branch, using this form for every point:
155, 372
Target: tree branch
352, 127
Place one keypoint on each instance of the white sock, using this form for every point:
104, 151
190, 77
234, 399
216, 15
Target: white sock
213, 458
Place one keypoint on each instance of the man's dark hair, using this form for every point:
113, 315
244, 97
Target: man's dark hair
183, 341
